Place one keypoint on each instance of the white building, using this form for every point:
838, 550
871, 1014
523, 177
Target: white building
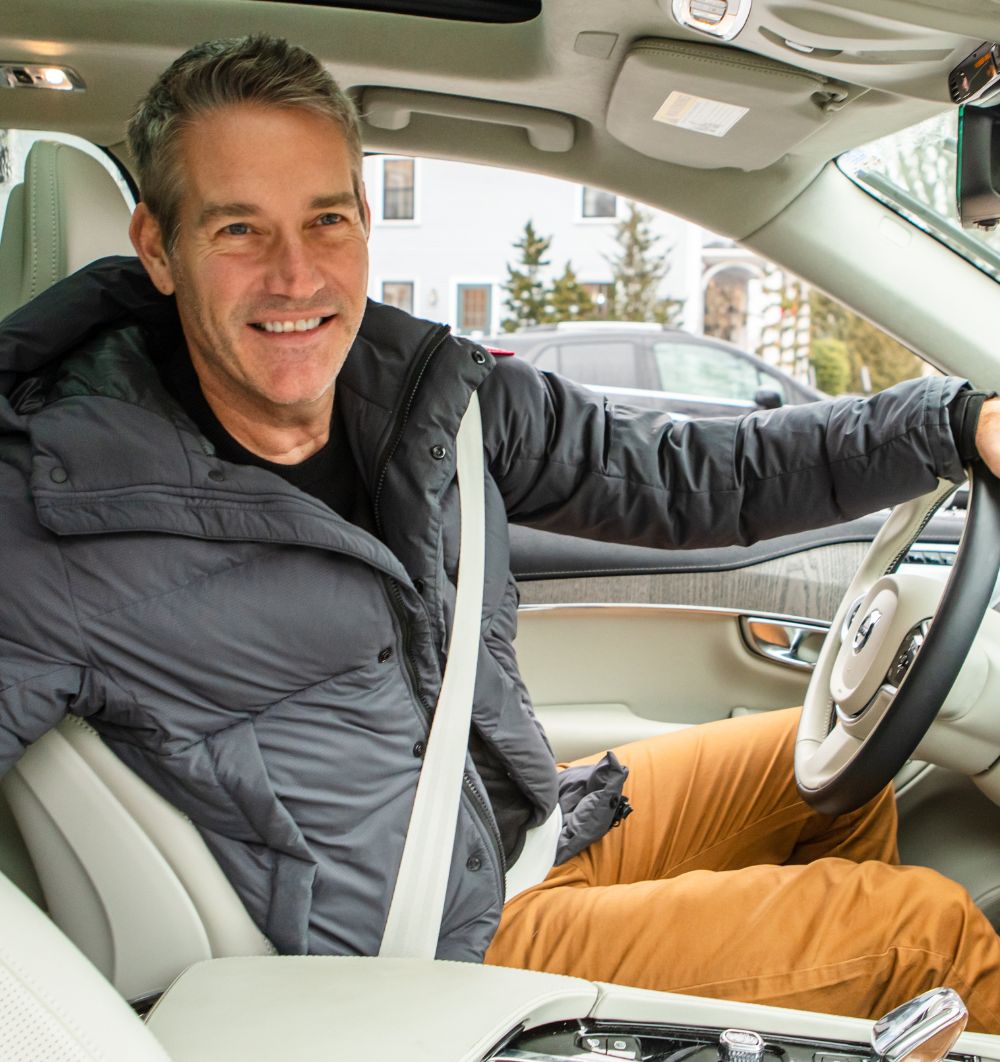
444, 232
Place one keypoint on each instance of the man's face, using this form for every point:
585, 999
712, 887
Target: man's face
270, 265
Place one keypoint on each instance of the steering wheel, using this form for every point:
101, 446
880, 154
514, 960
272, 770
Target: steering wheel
894, 651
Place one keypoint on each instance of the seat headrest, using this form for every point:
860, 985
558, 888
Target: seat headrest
68, 212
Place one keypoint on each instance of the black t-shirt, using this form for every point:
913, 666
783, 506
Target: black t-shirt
331, 475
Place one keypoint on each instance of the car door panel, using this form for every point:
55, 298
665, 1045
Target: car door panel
601, 675
620, 642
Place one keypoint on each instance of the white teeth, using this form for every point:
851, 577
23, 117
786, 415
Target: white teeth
303, 325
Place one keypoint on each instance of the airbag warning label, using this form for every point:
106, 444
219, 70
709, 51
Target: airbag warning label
698, 114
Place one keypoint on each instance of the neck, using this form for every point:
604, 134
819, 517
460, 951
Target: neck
284, 437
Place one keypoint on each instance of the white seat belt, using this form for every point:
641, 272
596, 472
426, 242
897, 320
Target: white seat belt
414, 922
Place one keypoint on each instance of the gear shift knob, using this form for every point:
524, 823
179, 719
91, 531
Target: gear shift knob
921, 1030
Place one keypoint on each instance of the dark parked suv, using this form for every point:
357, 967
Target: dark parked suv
648, 365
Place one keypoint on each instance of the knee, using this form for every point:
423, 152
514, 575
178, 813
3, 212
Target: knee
940, 912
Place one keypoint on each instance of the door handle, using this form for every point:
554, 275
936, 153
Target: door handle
794, 644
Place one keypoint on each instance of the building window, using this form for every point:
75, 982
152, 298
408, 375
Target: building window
397, 189
398, 293
598, 204
474, 305
600, 298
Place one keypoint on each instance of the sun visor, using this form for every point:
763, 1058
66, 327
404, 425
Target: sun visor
710, 106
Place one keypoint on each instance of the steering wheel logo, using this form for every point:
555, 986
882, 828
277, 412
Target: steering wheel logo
864, 632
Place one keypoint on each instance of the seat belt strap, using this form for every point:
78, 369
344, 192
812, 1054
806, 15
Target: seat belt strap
414, 922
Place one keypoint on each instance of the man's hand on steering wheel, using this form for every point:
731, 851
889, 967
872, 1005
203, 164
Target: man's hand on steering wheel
988, 435
897, 646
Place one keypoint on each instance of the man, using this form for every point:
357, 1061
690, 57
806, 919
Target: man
229, 498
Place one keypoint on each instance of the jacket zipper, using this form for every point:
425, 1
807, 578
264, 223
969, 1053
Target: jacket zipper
485, 814
428, 349
479, 803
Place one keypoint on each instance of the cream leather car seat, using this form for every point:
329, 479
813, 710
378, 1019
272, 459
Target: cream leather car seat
124, 875
67, 212
56, 1007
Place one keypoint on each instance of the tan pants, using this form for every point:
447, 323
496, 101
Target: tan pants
724, 883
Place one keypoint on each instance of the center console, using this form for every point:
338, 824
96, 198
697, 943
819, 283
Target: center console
607, 1041
411, 1010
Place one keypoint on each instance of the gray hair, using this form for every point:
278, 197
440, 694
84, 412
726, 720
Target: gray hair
258, 69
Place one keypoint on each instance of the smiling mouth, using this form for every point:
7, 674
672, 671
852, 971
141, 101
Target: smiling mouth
299, 324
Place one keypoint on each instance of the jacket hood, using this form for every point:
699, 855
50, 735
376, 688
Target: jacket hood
110, 449
110, 292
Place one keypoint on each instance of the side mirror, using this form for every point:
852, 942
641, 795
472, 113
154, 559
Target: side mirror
979, 166
768, 398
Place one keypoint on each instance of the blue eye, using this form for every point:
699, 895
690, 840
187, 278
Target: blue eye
329, 219
237, 228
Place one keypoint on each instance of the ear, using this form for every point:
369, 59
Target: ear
147, 239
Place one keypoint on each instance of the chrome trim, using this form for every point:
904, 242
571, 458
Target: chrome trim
793, 651
731, 19
849, 617
707, 610
741, 1045
864, 632
517, 1055
924, 1028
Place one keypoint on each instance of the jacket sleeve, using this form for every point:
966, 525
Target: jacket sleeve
567, 460
42, 670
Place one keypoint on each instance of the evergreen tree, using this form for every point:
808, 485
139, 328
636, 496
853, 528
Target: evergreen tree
569, 299
638, 267
525, 294
832, 365
887, 361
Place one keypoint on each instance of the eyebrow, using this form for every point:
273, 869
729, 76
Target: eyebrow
215, 211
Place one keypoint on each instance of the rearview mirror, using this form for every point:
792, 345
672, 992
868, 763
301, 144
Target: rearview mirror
979, 166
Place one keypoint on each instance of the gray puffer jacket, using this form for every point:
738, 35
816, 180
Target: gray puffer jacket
270, 668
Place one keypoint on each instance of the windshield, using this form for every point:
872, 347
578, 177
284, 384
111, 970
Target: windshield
913, 172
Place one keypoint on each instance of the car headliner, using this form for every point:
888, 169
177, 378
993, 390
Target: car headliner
894, 64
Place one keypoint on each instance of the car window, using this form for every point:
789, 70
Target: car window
600, 363
913, 172
701, 369
547, 359
496, 252
771, 382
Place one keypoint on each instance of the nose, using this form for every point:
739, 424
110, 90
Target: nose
292, 270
